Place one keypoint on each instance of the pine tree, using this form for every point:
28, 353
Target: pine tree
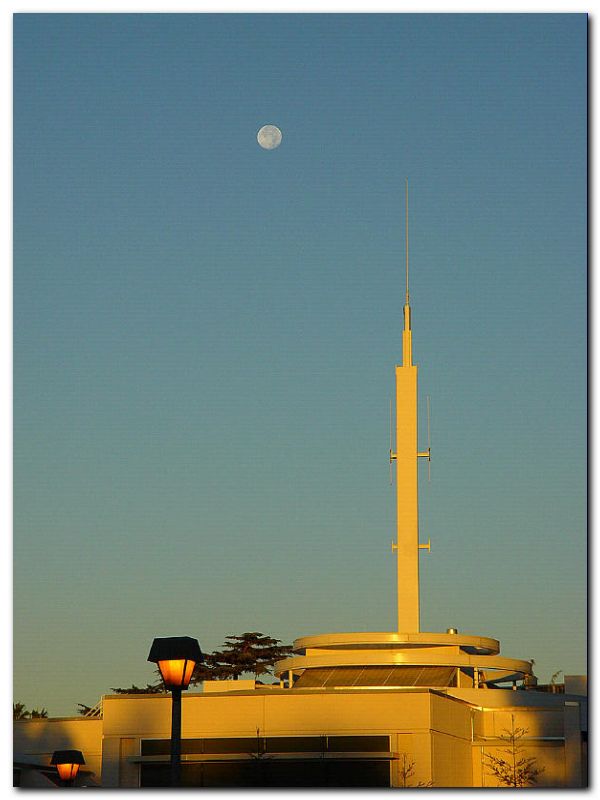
210, 670
251, 652
517, 769
133, 689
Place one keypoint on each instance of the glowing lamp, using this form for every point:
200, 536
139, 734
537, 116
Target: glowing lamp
176, 657
177, 672
67, 763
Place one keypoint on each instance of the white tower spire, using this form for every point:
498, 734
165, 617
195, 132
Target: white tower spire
406, 456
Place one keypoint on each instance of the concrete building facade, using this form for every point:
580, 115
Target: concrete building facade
273, 736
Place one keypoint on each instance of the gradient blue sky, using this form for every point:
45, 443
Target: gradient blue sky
205, 332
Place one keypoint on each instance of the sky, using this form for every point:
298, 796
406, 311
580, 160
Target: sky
205, 332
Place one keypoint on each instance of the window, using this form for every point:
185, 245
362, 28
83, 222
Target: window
262, 772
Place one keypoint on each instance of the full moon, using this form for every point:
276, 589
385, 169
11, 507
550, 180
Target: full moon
269, 137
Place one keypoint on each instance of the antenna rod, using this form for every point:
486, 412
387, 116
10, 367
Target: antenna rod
406, 206
406, 335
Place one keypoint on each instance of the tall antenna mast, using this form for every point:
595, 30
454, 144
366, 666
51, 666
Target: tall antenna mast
406, 455
406, 238
407, 335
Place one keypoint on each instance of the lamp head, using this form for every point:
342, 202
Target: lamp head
67, 763
176, 657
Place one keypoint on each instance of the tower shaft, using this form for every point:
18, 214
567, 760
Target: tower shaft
407, 542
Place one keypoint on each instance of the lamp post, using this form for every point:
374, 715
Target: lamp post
67, 763
176, 657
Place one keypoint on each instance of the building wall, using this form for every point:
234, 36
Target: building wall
547, 737
282, 714
440, 736
36, 739
452, 763
271, 714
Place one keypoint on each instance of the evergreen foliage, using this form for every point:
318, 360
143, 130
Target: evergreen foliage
133, 689
251, 652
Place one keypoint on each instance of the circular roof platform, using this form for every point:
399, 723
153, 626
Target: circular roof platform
480, 645
342, 654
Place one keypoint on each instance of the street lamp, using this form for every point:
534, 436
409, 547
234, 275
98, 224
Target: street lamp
176, 657
67, 763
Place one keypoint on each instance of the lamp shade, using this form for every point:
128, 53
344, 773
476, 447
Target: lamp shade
67, 763
176, 657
